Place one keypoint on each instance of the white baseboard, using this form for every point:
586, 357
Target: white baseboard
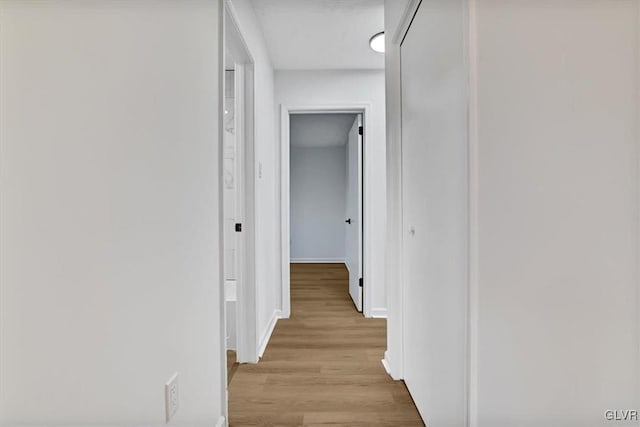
346, 263
222, 422
317, 261
385, 363
267, 333
379, 313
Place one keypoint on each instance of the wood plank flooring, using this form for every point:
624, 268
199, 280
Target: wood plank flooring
232, 365
322, 366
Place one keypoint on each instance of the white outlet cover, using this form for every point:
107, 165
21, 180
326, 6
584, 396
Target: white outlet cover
171, 397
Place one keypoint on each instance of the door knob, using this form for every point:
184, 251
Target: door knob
348, 221
412, 231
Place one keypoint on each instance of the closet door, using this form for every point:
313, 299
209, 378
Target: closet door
435, 211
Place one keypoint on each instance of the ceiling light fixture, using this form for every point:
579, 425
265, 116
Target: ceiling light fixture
377, 42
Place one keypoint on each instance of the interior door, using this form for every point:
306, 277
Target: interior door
435, 211
229, 194
353, 222
229, 179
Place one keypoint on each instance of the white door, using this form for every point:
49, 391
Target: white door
229, 179
353, 221
229, 194
435, 212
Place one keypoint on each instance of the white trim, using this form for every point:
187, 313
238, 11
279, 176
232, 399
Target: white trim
285, 243
638, 163
246, 306
379, 313
318, 261
222, 422
472, 293
266, 336
405, 21
395, 234
222, 351
637, 177
346, 264
386, 364
356, 108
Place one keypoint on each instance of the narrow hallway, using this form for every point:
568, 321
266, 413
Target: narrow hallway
322, 366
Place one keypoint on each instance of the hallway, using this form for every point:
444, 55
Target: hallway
322, 366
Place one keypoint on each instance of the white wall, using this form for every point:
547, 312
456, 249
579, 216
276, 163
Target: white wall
268, 278
557, 101
554, 191
318, 203
110, 231
314, 88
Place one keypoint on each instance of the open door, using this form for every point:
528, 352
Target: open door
229, 203
353, 234
239, 188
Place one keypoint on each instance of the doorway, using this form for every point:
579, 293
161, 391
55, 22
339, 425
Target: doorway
340, 232
238, 205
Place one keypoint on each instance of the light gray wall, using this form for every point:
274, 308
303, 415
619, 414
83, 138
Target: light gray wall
109, 232
557, 173
318, 195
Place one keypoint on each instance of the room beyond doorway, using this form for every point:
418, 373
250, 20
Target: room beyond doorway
324, 193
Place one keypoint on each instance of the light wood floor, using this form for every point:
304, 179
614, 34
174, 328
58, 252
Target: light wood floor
232, 365
322, 366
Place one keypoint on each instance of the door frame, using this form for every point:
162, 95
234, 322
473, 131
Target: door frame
246, 292
396, 328
394, 355
367, 170
246, 302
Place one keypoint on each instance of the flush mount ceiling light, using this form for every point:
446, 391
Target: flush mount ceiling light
377, 42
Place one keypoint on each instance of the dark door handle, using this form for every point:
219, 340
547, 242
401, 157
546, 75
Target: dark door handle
348, 221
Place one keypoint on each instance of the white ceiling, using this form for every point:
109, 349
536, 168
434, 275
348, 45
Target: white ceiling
321, 34
320, 130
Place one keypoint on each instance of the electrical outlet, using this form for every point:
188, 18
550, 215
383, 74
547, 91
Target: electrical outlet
171, 400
